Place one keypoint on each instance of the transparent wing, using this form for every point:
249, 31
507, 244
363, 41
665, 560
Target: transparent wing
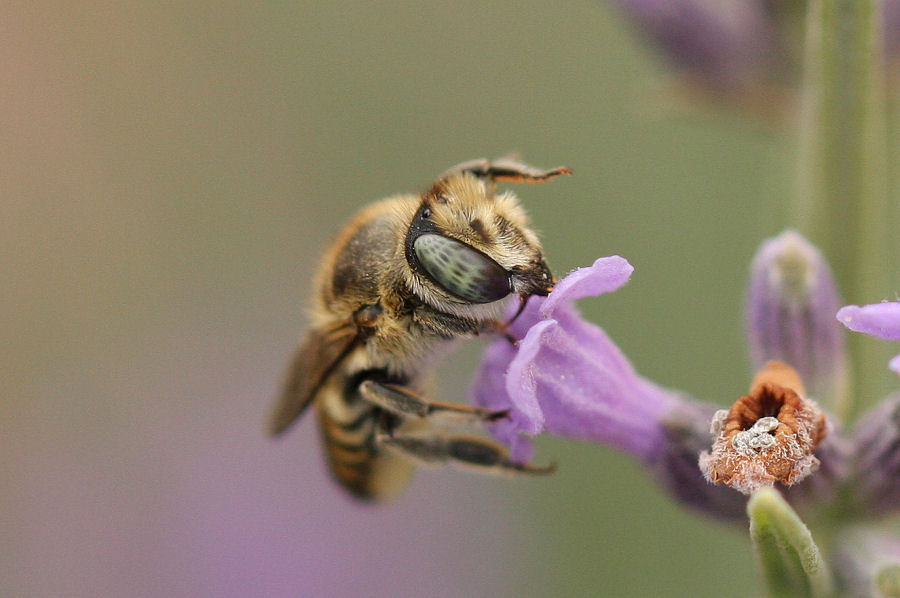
320, 353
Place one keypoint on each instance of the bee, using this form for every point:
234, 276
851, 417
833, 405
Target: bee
407, 277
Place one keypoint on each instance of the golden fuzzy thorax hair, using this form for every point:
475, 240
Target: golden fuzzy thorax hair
467, 208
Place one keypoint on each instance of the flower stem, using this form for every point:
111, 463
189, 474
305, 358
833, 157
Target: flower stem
791, 563
842, 200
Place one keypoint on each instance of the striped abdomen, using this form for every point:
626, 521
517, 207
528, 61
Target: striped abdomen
348, 426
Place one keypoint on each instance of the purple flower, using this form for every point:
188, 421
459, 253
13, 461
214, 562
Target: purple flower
566, 377
791, 302
876, 436
743, 51
877, 319
876, 442
723, 46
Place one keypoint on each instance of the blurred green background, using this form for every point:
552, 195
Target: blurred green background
170, 173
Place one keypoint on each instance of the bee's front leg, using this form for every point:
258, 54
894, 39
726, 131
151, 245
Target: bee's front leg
401, 400
472, 451
500, 328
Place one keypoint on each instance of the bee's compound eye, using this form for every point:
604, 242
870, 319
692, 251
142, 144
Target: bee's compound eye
461, 270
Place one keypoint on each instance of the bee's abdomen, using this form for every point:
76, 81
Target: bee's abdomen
350, 449
349, 426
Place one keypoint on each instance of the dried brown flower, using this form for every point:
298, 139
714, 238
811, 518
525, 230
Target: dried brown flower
767, 436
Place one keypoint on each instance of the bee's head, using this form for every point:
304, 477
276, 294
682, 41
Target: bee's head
473, 245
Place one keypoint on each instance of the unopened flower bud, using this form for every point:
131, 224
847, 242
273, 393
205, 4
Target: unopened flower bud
876, 441
791, 302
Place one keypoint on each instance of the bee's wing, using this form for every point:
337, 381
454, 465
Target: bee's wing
314, 361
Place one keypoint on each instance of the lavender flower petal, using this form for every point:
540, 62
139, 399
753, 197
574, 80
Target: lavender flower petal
584, 388
490, 386
605, 276
489, 390
568, 378
877, 319
791, 300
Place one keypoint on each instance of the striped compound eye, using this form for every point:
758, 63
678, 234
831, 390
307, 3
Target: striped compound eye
461, 270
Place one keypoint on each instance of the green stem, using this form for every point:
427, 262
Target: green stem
791, 563
842, 200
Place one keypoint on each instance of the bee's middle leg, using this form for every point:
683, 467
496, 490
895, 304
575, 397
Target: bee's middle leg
401, 400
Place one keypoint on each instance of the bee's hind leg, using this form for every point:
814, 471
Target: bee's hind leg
460, 449
401, 400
